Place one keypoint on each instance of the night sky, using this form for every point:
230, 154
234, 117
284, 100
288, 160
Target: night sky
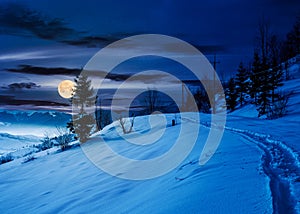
55, 33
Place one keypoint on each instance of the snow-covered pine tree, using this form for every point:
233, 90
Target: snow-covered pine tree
83, 122
242, 83
231, 95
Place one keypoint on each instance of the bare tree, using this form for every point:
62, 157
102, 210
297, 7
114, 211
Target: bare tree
124, 124
276, 76
152, 101
263, 40
98, 113
102, 117
64, 137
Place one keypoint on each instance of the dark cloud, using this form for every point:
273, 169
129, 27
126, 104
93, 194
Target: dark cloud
227, 28
16, 19
11, 100
90, 41
28, 69
119, 77
22, 85
211, 49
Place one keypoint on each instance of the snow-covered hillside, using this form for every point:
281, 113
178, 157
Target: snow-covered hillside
279, 139
16, 143
255, 169
20, 130
232, 181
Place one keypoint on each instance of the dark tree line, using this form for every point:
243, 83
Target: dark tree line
259, 83
291, 45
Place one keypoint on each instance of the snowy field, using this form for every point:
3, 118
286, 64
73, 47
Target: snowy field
255, 169
232, 181
21, 130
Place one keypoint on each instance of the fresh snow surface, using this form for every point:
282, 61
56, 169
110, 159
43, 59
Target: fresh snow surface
16, 144
254, 170
20, 130
67, 182
278, 139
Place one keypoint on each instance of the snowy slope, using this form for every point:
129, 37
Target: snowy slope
256, 169
19, 130
280, 137
286, 128
231, 182
12, 143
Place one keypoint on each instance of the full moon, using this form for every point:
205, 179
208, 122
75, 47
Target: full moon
65, 88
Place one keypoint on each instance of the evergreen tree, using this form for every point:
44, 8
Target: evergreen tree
83, 94
291, 46
231, 95
255, 72
276, 78
242, 83
260, 76
70, 126
270, 77
263, 74
263, 97
83, 124
260, 88
83, 98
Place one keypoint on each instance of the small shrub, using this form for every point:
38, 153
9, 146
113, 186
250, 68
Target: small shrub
279, 107
64, 138
6, 158
29, 158
46, 143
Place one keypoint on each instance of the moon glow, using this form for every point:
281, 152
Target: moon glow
66, 88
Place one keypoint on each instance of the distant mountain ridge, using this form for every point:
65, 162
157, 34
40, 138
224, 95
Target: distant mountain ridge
52, 118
